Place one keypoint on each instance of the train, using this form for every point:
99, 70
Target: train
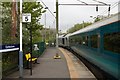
98, 43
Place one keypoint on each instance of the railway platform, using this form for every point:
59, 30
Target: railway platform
68, 67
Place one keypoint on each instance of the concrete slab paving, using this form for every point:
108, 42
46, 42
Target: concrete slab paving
81, 70
48, 67
66, 68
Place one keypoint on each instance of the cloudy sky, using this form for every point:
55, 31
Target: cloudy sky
70, 15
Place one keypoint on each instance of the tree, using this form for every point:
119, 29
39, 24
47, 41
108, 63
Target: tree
36, 10
50, 34
78, 27
7, 24
97, 19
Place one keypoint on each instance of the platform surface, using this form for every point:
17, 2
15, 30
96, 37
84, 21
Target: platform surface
76, 68
67, 67
48, 67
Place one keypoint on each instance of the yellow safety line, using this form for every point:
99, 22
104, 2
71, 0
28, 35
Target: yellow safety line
71, 67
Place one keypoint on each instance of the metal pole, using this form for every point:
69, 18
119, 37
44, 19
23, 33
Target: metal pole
0, 43
45, 27
31, 50
56, 23
83, 24
49, 36
20, 52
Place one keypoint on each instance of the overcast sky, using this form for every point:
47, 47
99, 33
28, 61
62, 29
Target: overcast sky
70, 15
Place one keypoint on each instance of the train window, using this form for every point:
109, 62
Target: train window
63, 41
112, 42
83, 40
71, 41
75, 39
80, 40
94, 41
86, 40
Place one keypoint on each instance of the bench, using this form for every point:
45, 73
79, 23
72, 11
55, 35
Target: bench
29, 59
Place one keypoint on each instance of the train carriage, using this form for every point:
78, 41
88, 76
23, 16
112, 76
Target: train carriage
99, 43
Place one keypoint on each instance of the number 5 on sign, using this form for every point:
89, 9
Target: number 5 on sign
26, 17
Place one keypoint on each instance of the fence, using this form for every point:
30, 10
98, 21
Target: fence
10, 60
41, 46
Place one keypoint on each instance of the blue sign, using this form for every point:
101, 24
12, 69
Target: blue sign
9, 47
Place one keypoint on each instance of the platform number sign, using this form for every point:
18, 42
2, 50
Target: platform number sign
26, 17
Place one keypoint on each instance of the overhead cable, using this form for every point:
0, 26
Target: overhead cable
48, 9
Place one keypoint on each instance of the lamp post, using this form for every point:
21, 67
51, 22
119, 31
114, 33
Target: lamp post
49, 36
45, 29
56, 23
21, 51
31, 49
45, 24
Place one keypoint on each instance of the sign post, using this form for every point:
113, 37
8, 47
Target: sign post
26, 18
